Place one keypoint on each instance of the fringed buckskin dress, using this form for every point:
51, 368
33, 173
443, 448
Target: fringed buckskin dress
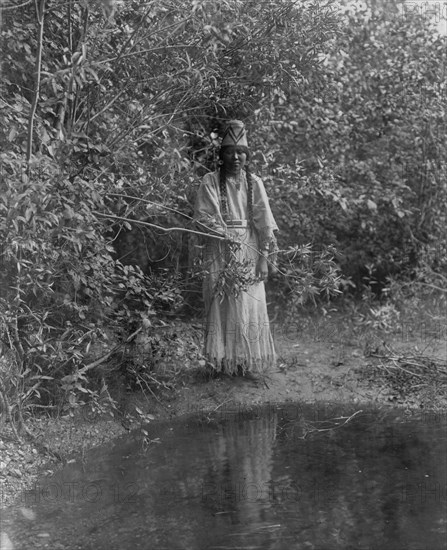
238, 338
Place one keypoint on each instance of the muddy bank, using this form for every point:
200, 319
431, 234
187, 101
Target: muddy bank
333, 368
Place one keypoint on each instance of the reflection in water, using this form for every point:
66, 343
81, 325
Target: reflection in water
266, 479
237, 483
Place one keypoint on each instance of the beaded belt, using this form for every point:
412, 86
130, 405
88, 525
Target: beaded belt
237, 223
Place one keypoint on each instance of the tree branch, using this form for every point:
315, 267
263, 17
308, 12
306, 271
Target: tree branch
151, 202
12, 7
216, 235
104, 358
40, 12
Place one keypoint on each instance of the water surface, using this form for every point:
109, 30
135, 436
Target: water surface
277, 477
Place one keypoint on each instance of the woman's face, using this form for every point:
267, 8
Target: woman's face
234, 159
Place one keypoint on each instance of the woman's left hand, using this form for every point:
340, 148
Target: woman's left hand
262, 268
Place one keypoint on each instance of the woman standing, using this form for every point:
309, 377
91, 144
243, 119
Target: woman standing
232, 202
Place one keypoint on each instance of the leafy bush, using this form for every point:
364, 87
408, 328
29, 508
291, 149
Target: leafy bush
355, 158
62, 286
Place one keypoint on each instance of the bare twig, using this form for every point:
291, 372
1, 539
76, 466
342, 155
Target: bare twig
140, 383
150, 50
398, 367
429, 285
160, 228
434, 287
15, 7
109, 104
6, 407
221, 404
105, 357
346, 420
213, 233
168, 208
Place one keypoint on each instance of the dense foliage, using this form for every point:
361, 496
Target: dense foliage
357, 158
110, 114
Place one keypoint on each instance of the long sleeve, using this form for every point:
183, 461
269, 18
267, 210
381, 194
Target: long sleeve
263, 219
207, 213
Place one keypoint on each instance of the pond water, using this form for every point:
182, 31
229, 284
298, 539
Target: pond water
277, 477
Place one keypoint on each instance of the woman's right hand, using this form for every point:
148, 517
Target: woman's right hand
262, 271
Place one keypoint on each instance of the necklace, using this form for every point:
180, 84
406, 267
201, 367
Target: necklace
236, 180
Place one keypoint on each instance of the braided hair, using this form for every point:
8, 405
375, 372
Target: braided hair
223, 188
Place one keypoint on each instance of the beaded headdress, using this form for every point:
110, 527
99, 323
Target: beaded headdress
235, 134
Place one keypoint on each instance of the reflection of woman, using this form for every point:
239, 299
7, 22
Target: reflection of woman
233, 202
238, 487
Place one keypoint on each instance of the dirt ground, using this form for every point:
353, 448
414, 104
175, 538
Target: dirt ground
326, 359
328, 362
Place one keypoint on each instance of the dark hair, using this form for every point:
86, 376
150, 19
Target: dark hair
223, 185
